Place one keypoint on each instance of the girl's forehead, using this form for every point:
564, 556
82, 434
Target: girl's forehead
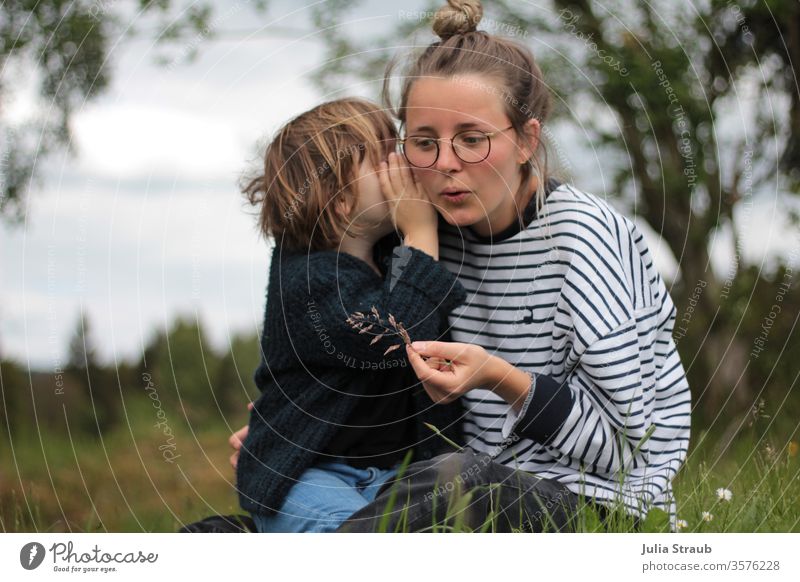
455, 102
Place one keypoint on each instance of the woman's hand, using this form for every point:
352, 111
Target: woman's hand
236, 440
448, 370
412, 211
452, 369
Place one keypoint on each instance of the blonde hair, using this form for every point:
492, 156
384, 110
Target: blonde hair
312, 160
464, 50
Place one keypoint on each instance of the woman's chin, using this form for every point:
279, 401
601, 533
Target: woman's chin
459, 217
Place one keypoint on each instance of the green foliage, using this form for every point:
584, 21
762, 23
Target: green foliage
63, 449
12, 382
234, 377
183, 366
55, 478
657, 521
67, 43
101, 407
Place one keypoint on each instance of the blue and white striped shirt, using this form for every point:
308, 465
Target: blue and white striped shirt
575, 300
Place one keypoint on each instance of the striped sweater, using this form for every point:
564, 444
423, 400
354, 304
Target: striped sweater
574, 299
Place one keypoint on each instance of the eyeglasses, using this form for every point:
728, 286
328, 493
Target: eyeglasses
471, 146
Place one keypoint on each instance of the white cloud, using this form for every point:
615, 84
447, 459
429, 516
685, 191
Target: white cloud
125, 140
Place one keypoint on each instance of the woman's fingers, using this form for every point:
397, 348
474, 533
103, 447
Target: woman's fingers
444, 350
435, 363
237, 438
440, 379
438, 382
421, 369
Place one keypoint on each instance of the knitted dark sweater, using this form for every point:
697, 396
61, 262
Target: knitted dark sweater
311, 374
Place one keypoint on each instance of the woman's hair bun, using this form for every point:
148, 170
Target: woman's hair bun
458, 17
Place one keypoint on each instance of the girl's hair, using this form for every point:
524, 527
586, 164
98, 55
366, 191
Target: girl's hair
313, 159
464, 50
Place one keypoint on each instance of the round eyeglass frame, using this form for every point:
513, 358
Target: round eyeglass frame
489, 135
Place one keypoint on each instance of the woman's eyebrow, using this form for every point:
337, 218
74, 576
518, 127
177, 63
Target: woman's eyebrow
463, 125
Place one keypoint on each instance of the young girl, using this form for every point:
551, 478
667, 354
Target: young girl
565, 360
337, 412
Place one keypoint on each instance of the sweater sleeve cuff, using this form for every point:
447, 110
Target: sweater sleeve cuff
545, 410
413, 267
512, 418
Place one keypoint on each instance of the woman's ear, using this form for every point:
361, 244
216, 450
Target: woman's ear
529, 141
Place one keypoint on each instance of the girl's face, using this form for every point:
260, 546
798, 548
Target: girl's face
372, 212
480, 195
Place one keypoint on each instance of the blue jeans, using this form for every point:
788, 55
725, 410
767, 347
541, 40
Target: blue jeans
323, 497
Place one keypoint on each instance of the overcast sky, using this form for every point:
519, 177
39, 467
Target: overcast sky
145, 222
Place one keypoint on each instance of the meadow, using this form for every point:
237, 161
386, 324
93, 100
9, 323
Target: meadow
58, 481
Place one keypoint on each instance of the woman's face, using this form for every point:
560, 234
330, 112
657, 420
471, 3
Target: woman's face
480, 195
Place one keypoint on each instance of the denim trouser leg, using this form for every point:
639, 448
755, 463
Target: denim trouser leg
323, 497
429, 493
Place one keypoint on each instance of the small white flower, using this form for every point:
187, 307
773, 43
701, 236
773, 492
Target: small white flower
724, 494
707, 516
681, 524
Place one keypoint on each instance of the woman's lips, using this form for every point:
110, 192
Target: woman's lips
455, 195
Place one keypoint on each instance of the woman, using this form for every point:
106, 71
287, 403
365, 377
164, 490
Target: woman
562, 354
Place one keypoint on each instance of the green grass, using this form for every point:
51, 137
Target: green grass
60, 481
56, 482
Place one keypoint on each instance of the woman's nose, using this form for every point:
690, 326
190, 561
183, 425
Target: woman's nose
447, 160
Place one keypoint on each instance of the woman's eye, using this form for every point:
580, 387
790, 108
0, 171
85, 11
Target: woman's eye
473, 139
423, 142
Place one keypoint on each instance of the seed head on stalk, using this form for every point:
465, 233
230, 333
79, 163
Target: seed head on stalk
365, 323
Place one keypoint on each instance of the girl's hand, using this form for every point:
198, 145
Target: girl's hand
412, 211
448, 370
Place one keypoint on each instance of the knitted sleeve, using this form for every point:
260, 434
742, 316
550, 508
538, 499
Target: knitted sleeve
417, 293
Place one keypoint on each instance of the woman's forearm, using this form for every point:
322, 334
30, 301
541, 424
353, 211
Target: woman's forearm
509, 382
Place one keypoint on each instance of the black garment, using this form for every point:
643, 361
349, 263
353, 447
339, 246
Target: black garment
311, 375
380, 430
426, 498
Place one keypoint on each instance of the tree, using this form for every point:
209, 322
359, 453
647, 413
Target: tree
234, 384
184, 368
647, 84
67, 43
12, 388
84, 367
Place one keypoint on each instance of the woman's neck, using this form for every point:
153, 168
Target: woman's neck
506, 215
